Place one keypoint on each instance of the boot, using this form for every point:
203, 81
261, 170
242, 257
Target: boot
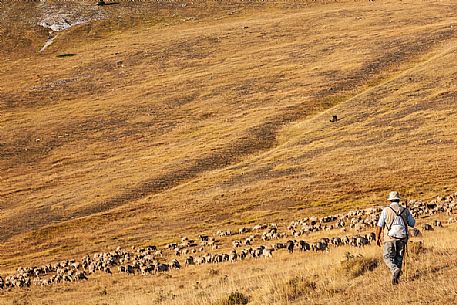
396, 277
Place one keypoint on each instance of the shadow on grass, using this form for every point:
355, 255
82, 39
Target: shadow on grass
109, 3
66, 55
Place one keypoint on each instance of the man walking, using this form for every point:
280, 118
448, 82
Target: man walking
394, 220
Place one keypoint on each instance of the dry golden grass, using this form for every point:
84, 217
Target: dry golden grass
163, 126
299, 278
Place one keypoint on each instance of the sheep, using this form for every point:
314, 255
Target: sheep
267, 253
258, 251
336, 241
313, 220
243, 230
279, 246
175, 264
319, 246
236, 243
189, 261
147, 269
129, 269
414, 232
248, 241
304, 246
371, 236
259, 227
162, 267
290, 246
225, 257
427, 227
361, 241
143, 259
233, 256
345, 240
203, 238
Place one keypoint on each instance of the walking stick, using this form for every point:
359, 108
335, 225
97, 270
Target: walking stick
405, 257
405, 264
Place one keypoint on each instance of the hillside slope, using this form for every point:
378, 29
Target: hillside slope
341, 276
158, 128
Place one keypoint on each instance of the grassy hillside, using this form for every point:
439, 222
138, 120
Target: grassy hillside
343, 275
185, 120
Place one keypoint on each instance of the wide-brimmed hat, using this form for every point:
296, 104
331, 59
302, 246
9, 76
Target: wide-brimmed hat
394, 196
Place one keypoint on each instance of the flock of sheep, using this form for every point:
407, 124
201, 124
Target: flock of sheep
151, 260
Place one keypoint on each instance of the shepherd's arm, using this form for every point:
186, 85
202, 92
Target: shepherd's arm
380, 226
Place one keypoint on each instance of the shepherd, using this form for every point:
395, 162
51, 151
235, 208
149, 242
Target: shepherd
394, 220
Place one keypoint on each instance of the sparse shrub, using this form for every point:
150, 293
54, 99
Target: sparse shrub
297, 287
348, 255
103, 291
355, 266
223, 280
213, 272
197, 286
20, 302
163, 296
235, 298
416, 247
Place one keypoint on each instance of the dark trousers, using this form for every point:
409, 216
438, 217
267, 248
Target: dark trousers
393, 254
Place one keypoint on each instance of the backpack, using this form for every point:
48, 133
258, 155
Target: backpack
398, 228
